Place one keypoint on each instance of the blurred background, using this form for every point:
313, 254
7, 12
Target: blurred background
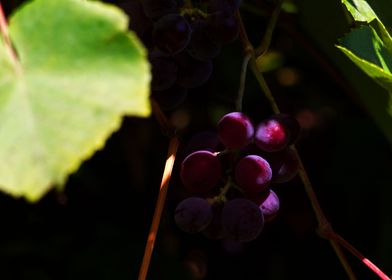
97, 227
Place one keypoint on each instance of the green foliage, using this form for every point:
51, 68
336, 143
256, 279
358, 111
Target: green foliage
82, 71
369, 46
360, 10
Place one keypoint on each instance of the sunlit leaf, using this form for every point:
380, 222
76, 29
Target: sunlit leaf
82, 71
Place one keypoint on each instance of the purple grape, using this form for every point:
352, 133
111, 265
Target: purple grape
170, 98
258, 198
193, 214
276, 133
242, 219
235, 130
215, 229
200, 46
270, 207
164, 71
158, 8
271, 135
222, 28
253, 174
171, 34
291, 124
200, 171
192, 72
284, 165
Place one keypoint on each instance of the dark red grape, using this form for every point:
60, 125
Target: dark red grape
171, 33
200, 171
276, 133
193, 214
253, 174
192, 72
271, 135
270, 207
235, 130
242, 219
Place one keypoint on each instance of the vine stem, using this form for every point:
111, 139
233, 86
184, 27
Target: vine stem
167, 127
324, 226
7, 41
241, 89
361, 257
265, 43
171, 156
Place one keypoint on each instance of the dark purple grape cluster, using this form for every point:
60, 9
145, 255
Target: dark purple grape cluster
182, 37
231, 188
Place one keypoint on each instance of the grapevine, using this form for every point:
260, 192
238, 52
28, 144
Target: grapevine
225, 183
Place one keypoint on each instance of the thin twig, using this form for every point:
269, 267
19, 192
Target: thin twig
361, 257
260, 78
266, 42
324, 225
167, 127
171, 155
241, 88
7, 41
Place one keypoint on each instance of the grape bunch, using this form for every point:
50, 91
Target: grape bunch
182, 38
231, 188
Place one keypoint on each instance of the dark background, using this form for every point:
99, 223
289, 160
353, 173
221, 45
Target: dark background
97, 227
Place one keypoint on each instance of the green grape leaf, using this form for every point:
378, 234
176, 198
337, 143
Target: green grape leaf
81, 72
360, 10
368, 51
370, 47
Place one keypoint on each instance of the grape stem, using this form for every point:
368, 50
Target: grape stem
7, 41
222, 195
171, 156
361, 257
167, 127
241, 88
266, 41
324, 225
288, 25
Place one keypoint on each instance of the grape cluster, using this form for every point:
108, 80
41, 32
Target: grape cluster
182, 38
231, 188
